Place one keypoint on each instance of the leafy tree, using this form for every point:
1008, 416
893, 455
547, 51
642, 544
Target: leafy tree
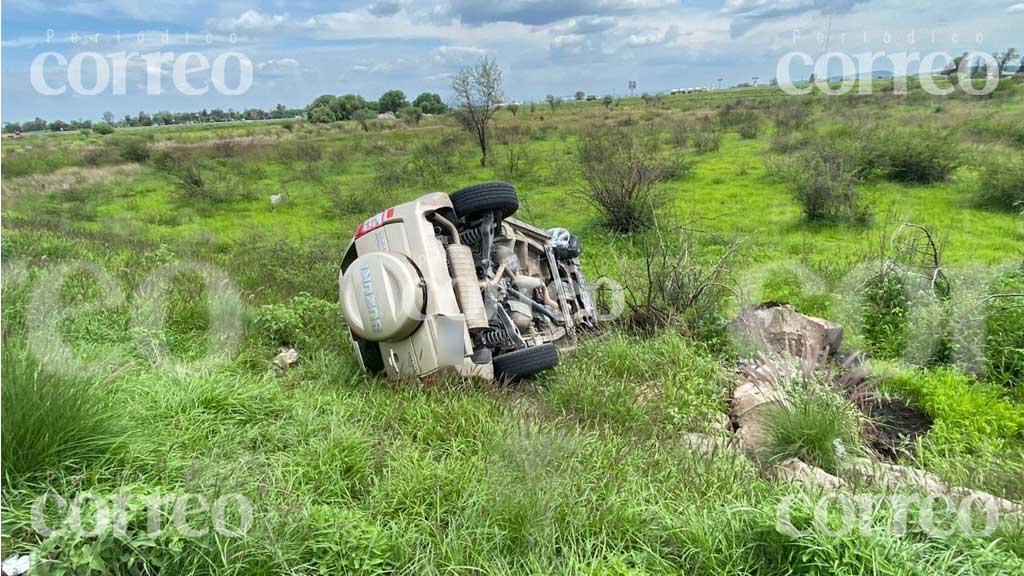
607, 101
392, 101
363, 117
580, 95
58, 126
478, 91
321, 114
430, 103
108, 117
11, 127
553, 101
514, 109
344, 106
103, 128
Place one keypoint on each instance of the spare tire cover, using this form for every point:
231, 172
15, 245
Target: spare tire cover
382, 297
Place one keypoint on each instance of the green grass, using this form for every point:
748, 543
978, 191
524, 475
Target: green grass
583, 470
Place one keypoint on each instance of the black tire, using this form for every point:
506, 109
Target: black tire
525, 362
486, 197
373, 360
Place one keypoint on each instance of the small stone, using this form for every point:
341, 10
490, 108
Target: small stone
798, 471
286, 358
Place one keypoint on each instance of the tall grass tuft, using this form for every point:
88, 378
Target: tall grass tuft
50, 422
819, 428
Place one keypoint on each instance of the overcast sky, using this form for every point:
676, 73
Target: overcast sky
300, 50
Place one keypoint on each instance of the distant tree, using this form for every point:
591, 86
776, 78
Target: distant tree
580, 95
11, 127
320, 115
58, 126
1004, 58
514, 109
607, 101
478, 92
144, 119
103, 128
108, 117
392, 101
553, 101
533, 107
430, 103
279, 112
363, 117
411, 114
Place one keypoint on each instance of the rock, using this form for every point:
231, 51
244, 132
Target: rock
286, 358
751, 403
1003, 505
16, 565
276, 199
798, 471
779, 330
894, 476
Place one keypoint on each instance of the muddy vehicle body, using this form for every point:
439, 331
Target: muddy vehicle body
455, 281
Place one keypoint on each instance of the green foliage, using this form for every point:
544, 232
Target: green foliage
885, 306
102, 128
971, 417
621, 170
392, 101
921, 156
50, 422
430, 103
1004, 330
824, 179
321, 115
819, 427
301, 320
1001, 184
133, 149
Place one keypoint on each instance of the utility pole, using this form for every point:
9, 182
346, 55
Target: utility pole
719, 83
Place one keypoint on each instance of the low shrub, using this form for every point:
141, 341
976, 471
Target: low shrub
824, 179
621, 170
102, 128
133, 149
790, 118
301, 320
707, 137
1001, 184
920, 156
683, 282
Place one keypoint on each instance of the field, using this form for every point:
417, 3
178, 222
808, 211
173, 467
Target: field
122, 252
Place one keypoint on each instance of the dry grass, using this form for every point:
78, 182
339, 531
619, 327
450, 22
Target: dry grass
67, 179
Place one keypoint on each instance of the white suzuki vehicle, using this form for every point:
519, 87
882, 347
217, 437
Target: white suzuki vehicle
454, 281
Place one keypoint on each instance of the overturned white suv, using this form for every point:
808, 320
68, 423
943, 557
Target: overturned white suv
453, 281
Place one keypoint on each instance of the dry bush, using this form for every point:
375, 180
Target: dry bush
683, 282
824, 179
514, 152
621, 170
707, 137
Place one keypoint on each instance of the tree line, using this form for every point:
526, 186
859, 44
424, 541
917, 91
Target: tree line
331, 108
161, 118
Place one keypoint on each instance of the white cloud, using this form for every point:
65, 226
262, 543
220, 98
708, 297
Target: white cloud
249, 21
1016, 8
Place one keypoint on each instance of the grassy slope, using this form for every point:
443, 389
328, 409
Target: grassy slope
583, 471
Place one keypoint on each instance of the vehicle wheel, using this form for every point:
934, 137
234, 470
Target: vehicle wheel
486, 197
525, 362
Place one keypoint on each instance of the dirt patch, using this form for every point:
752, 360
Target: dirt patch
894, 426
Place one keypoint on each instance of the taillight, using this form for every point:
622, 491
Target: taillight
374, 222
